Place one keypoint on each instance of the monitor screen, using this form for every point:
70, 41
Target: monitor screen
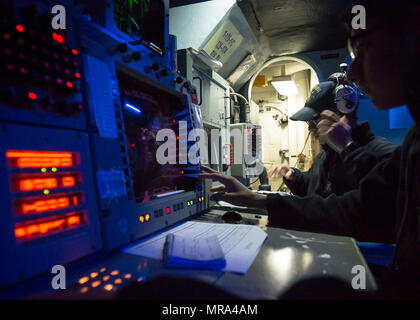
146, 110
141, 20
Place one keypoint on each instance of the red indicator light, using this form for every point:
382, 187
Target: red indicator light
69, 84
168, 210
37, 184
75, 52
32, 96
75, 200
44, 227
77, 75
59, 81
23, 70
34, 159
57, 37
20, 28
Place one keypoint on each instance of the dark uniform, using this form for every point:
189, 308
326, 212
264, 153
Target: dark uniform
335, 173
331, 172
386, 208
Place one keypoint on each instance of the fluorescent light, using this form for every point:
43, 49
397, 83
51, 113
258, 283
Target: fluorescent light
132, 108
286, 88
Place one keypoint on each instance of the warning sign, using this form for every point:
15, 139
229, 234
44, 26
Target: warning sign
224, 42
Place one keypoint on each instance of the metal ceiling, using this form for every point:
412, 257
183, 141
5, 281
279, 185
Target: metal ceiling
292, 26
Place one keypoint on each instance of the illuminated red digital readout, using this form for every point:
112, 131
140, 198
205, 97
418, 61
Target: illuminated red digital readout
31, 182
38, 205
45, 227
39, 159
37, 183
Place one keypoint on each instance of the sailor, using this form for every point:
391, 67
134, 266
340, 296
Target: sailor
335, 103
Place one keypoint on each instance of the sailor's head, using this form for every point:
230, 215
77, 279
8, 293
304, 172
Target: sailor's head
386, 52
336, 95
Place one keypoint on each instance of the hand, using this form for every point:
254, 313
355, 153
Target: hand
312, 128
232, 190
334, 131
282, 170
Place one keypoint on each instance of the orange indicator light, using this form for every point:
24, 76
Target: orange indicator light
84, 290
115, 272
93, 274
147, 217
141, 218
108, 287
118, 281
83, 280
96, 284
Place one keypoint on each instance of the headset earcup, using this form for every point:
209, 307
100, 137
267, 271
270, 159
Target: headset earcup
346, 98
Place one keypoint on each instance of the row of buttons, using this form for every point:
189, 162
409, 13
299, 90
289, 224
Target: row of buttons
178, 206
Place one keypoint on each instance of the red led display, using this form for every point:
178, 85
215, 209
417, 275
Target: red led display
37, 184
33, 182
27, 206
35, 229
39, 159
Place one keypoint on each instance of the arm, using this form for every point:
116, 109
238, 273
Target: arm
366, 213
299, 184
358, 161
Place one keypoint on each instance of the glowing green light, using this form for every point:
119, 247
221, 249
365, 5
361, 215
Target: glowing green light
54, 169
44, 170
46, 191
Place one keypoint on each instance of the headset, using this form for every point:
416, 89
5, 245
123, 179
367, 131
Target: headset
346, 96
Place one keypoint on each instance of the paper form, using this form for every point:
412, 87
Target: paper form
202, 249
240, 243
